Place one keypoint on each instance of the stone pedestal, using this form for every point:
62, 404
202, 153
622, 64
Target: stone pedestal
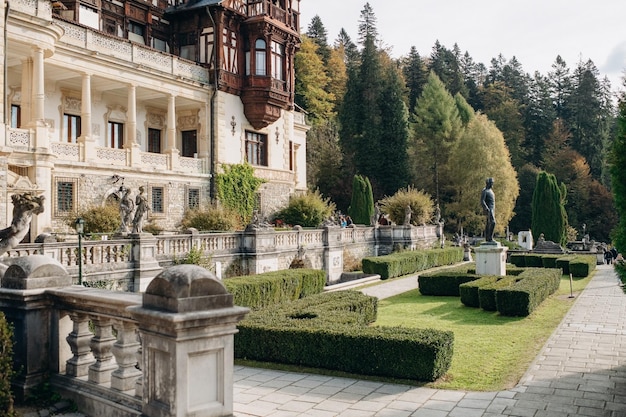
491, 259
187, 324
144, 255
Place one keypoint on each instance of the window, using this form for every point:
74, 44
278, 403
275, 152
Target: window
260, 67
193, 198
256, 148
116, 135
159, 44
66, 193
278, 52
190, 144
154, 140
157, 197
291, 155
72, 127
206, 46
16, 116
136, 32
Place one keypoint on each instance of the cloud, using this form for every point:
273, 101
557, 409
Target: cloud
616, 61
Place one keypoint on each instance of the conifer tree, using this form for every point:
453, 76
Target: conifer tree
437, 127
415, 74
618, 175
548, 209
362, 205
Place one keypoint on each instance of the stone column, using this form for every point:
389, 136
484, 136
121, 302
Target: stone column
170, 148
333, 253
39, 93
130, 140
187, 324
260, 246
88, 145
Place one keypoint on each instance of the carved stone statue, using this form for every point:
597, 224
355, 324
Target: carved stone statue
24, 206
488, 202
142, 207
126, 210
407, 215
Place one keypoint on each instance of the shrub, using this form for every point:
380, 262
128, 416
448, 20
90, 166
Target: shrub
361, 207
330, 331
237, 188
469, 290
212, 218
6, 367
420, 203
98, 219
271, 288
444, 283
403, 263
523, 297
306, 210
581, 266
487, 293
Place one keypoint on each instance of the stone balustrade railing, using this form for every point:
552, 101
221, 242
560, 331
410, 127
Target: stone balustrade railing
130, 262
165, 353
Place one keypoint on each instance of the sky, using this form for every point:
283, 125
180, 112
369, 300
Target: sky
534, 31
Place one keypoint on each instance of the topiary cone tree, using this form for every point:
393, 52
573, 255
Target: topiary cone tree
361, 207
548, 209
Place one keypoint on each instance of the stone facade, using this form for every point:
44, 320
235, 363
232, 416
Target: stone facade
93, 107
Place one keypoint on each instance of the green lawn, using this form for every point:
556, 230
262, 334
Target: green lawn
491, 352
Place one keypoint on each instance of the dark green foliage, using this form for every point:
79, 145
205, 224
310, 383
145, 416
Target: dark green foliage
617, 162
518, 259
445, 283
403, 263
581, 266
549, 261
332, 328
237, 188
362, 205
533, 260
523, 297
563, 264
487, 293
548, 210
527, 177
262, 290
469, 290
6, 368
308, 210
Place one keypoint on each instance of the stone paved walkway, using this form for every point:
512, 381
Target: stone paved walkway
581, 371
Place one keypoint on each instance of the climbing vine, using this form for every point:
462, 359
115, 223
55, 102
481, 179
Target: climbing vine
236, 189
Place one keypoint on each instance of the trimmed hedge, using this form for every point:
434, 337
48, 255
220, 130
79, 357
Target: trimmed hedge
518, 259
445, 283
469, 290
582, 265
262, 290
329, 331
533, 260
521, 298
487, 293
549, 261
404, 263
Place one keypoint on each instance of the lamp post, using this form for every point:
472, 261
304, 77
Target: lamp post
80, 227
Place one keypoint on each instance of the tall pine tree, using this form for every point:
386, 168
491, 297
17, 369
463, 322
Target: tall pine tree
618, 175
548, 210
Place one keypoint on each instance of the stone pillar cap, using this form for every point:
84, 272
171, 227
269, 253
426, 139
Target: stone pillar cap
186, 288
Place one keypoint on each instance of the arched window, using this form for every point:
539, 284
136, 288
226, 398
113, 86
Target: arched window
260, 54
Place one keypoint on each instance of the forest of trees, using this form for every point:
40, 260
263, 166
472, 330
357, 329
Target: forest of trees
443, 123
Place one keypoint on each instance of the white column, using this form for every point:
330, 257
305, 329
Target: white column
131, 118
85, 109
39, 93
171, 132
86, 141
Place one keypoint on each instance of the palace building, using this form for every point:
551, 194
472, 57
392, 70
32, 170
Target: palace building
159, 93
